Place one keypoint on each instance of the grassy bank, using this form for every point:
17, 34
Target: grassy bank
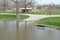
53, 22
12, 17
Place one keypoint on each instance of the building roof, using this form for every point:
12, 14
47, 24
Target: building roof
26, 8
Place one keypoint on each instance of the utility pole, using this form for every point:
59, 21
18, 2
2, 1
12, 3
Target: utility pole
17, 10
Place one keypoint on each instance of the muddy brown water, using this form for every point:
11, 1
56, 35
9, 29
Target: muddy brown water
17, 30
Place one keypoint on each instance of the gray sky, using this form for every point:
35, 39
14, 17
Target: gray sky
48, 1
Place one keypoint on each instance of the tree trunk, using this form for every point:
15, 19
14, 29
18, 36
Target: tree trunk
17, 10
25, 6
4, 5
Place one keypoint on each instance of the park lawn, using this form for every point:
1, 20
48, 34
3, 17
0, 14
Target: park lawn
42, 12
55, 12
33, 12
38, 12
53, 22
12, 17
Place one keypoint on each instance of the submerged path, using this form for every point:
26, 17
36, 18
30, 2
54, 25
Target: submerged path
37, 17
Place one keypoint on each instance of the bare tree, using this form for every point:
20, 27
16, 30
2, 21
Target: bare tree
29, 3
25, 5
4, 5
17, 10
17, 7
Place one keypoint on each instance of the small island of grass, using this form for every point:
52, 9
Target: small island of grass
12, 17
53, 22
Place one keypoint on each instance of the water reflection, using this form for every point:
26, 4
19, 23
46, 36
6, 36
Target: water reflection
21, 31
18, 30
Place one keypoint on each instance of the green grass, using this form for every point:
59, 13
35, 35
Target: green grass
50, 22
39, 12
12, 17
42, 12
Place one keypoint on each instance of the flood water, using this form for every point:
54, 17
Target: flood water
18, 30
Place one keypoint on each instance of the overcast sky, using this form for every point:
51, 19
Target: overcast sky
48, 1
